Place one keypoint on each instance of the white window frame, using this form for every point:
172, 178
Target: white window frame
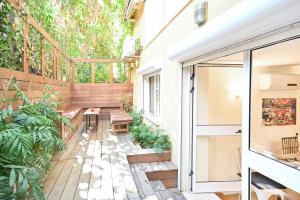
155, 116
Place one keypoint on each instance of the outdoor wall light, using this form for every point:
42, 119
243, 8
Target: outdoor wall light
200, 13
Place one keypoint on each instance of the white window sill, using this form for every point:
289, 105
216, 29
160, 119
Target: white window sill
152, 119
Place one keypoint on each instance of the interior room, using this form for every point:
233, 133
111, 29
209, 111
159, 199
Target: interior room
218, 122
275, 95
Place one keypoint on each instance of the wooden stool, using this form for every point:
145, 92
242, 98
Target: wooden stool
120, 121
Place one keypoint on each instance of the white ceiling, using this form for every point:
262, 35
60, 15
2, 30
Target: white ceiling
284, 54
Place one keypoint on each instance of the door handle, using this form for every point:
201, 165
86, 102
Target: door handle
239, 131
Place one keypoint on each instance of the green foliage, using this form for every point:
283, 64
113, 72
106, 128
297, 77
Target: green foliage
84, 28
137, 118
11, 39
122, 73
127, 103
138, 46
83, 73
35, 54
147, 136
28, 137
102, 72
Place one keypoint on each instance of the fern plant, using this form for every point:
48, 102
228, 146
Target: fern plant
28, 137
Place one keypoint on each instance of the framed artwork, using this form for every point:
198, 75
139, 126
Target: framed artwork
279, 111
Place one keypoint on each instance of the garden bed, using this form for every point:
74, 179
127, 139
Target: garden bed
147, 136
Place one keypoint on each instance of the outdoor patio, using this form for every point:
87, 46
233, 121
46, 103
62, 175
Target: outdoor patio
95, 166
87, 162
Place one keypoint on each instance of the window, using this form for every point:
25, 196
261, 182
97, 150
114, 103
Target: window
275, 95
152, 95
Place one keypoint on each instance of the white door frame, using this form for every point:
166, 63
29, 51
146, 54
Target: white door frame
249, 159
210, 130
185, 137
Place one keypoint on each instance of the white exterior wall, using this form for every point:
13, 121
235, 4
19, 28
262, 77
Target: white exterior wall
181, 26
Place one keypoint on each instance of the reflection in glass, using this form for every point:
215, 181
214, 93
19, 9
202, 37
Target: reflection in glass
219, 99
275, 95
151, 96
263, 187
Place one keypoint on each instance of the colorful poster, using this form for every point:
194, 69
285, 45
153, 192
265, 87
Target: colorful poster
279, 111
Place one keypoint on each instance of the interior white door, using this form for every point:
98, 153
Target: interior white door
217, 129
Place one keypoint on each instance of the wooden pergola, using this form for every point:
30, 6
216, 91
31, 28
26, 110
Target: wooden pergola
131, 61
59, 55
60, 73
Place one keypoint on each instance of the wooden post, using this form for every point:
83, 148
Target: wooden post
93, 72
74, 71
54, 63
129, 72
25, 46
61, 67
43, 58
111, 78
68, 70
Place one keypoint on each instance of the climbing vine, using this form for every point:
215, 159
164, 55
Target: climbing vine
11, 41
84, 28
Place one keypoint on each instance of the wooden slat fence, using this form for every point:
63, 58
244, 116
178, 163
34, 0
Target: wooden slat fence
33, 86
100, 95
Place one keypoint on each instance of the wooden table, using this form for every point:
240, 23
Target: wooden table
88, 113
120, 121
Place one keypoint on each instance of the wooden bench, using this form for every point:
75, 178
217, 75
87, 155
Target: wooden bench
75, 115
120, 121
113, 111
105, 108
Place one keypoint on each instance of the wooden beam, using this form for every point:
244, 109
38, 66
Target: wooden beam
111, 75
14, 4
162, 174
68, 71
29, 20
129, 73
93, 72
74, 71
25, 47
43, 57
148, 155
96, 60
54, 54
61, 67
47, 36
170, 183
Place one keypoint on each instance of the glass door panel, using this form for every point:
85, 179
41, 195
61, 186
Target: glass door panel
217, 126
217, 160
